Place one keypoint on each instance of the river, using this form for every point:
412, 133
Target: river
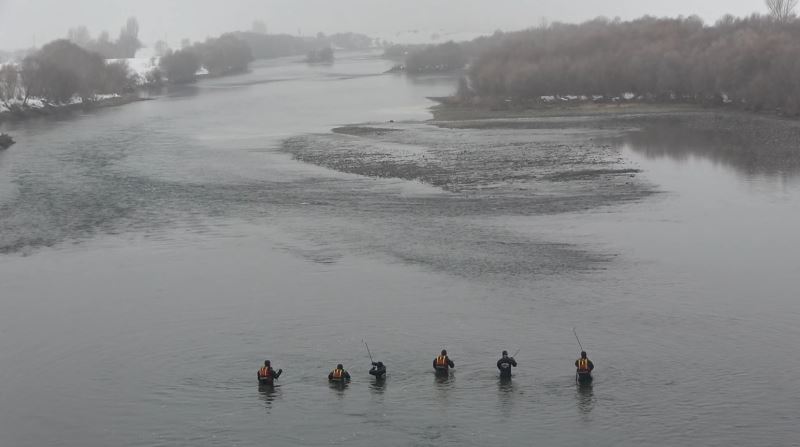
154, 254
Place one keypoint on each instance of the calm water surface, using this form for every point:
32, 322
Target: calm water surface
154, 254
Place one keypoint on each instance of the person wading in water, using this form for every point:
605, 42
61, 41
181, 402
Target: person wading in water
267, 375
339, 375
584, 368
504, 365
442, 364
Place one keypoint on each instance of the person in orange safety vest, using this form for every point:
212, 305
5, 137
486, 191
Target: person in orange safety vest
585, 367
339, 374
442, 363
267, 375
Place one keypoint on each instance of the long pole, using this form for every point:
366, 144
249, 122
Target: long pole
369, 353
515, 354
576, 338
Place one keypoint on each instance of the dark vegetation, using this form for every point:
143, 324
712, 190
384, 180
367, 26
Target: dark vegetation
124, 47
59, 72
5, 141
268, 46
753, 62
233, 52
79, 67
446, 57
180, 66
321, 56
220, 56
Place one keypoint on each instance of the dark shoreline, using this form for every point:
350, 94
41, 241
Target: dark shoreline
50, 110
452, 108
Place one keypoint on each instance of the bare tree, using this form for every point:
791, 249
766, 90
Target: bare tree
9, 84
161, 48
781, 10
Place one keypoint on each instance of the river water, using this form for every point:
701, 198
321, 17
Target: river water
153, 255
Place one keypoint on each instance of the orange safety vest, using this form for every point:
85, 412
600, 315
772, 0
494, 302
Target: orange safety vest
441, 361
264, 373
583, 364
337, 374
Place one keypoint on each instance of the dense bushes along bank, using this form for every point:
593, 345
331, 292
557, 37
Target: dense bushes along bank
753, 62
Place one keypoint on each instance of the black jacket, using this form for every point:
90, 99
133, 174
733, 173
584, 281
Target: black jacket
505, 364
378, 371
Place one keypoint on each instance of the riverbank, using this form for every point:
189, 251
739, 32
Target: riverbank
40, 108
752, 142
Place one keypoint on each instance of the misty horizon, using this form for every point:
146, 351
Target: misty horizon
24, 24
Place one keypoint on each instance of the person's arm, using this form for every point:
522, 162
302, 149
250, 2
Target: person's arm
373, 372
500, 364
434, 363
346, 375
576, 363
330, 375
277, 373
591, 365
513, 362
450, 363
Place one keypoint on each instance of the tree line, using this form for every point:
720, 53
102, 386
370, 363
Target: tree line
84, 67
752, 61
220, 56
59, 72
124, 47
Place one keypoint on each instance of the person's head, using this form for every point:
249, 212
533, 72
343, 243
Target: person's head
380, 364
444, 351
339, 366
505, 353
266, 363
583, 354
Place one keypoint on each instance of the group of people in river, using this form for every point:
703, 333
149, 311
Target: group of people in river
441, 366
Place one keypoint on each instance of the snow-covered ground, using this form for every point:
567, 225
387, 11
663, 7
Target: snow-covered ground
39, 103
139, 67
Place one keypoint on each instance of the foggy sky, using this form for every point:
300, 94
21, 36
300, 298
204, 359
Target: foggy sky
23, 22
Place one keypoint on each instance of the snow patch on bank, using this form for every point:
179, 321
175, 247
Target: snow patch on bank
35, 103
140, 68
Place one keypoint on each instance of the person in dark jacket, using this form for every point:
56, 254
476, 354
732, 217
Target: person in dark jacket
339, 374
378, 370
442, 363
504, 365
267, 375
584, 368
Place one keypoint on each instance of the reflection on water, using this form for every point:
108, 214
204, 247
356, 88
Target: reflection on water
505, 396
585, 397
444, 383
338, 387
268, 393
748, 152
378, 386
506, 385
